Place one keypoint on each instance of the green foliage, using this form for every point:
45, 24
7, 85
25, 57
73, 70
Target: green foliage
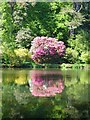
51, 23
7, 26
21, 22
85, 57
77, 46
16, 58
23, 38
71, 55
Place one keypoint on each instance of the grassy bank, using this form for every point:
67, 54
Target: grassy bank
45, 66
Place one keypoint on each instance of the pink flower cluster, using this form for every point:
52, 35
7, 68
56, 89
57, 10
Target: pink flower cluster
44, 49
43, 85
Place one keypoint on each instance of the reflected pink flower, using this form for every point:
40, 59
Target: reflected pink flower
46, 83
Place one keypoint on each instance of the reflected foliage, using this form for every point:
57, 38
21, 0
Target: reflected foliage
19, 103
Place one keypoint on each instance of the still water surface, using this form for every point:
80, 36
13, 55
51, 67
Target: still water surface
45, 94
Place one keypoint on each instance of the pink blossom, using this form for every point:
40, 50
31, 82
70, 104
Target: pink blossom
43, 48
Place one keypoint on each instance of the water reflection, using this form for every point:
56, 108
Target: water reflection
0, 94
21, 78
45, 83
71, 99
15, 76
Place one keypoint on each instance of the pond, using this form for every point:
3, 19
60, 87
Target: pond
39, 93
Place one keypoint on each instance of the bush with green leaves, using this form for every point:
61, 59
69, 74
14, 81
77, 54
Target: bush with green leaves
85, 57
78, 47
16, 57
24, 38
20, 22
71, 55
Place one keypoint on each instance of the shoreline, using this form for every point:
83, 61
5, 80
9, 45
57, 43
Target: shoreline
46, 66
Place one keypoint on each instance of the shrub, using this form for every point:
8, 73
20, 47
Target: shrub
21, 52
0, 52
47, 50
24, 37
71, 55
16, 57
77, 47
22, 55
85, 57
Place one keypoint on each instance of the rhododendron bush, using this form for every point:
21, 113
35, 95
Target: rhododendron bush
45, 83
47, 50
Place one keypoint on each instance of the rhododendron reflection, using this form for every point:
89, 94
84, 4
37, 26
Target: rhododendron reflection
45, 83
44, 49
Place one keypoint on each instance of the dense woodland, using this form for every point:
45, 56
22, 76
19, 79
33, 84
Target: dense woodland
20, 23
